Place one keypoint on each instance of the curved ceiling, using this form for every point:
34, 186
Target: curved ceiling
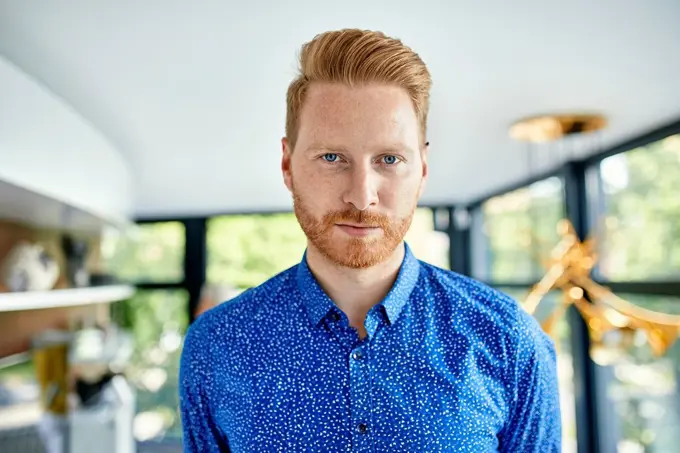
193, 93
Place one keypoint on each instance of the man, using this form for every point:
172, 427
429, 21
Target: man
362, 347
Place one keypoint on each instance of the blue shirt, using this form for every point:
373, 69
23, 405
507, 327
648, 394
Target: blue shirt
449, 365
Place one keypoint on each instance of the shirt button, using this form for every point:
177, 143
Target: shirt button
362, 428
357, 355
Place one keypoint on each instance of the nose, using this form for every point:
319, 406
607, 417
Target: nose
362, 192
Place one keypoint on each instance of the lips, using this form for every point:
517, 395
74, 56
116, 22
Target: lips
357, 225
359, 230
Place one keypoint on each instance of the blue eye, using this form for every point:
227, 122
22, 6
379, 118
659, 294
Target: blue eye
390, 160
330, 157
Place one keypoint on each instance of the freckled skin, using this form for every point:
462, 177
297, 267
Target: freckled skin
358, 156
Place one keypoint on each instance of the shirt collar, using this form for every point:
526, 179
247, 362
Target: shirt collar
318, 304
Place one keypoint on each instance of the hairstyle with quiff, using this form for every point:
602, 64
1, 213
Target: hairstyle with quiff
353, 57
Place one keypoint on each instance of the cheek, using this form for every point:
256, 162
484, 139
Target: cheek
317, 191
316, 180
400, 196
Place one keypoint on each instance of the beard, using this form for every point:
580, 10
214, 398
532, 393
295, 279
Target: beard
351, 252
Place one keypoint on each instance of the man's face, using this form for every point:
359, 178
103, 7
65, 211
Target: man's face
357, 171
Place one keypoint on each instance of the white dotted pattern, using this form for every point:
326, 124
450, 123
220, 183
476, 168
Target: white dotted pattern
449, 365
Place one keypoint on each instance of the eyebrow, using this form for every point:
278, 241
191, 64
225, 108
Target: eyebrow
391, 149
398, 149
324, 147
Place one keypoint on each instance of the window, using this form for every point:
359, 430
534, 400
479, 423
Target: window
154, 253
425, 242
246, 250
565, 367
513, 233
638, 213
158, 320
642, 389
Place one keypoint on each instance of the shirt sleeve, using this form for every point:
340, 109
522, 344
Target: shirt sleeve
534, 423
200, 432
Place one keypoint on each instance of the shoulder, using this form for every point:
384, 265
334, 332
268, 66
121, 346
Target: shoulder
248, 304
486, 310
470, 297
227, 325
500, 329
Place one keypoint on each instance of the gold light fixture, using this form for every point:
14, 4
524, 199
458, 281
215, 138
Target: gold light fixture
546, 128
614, 324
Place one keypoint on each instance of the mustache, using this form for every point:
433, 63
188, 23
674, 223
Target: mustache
357, 217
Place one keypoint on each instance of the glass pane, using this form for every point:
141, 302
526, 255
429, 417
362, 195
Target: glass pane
426, 243
246, 250
513, 233
155, 254
565, 366
643, 390
638, 213
157, 320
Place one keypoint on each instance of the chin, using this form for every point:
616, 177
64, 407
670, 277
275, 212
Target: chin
358, 253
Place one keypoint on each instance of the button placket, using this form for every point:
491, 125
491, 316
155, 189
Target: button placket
360, 392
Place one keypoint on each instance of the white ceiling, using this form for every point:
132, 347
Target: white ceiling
193, 93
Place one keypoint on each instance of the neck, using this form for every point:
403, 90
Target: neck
355, 291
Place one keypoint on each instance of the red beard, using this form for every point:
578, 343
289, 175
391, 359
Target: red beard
352, 252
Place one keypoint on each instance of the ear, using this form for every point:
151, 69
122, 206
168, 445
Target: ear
286, 163
423, 157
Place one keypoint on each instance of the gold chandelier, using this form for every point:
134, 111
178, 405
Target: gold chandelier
547, 128
614, 324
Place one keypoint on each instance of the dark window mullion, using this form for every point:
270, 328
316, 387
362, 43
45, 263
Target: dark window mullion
195, 261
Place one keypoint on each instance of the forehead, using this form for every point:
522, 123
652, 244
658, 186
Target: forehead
352, 115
